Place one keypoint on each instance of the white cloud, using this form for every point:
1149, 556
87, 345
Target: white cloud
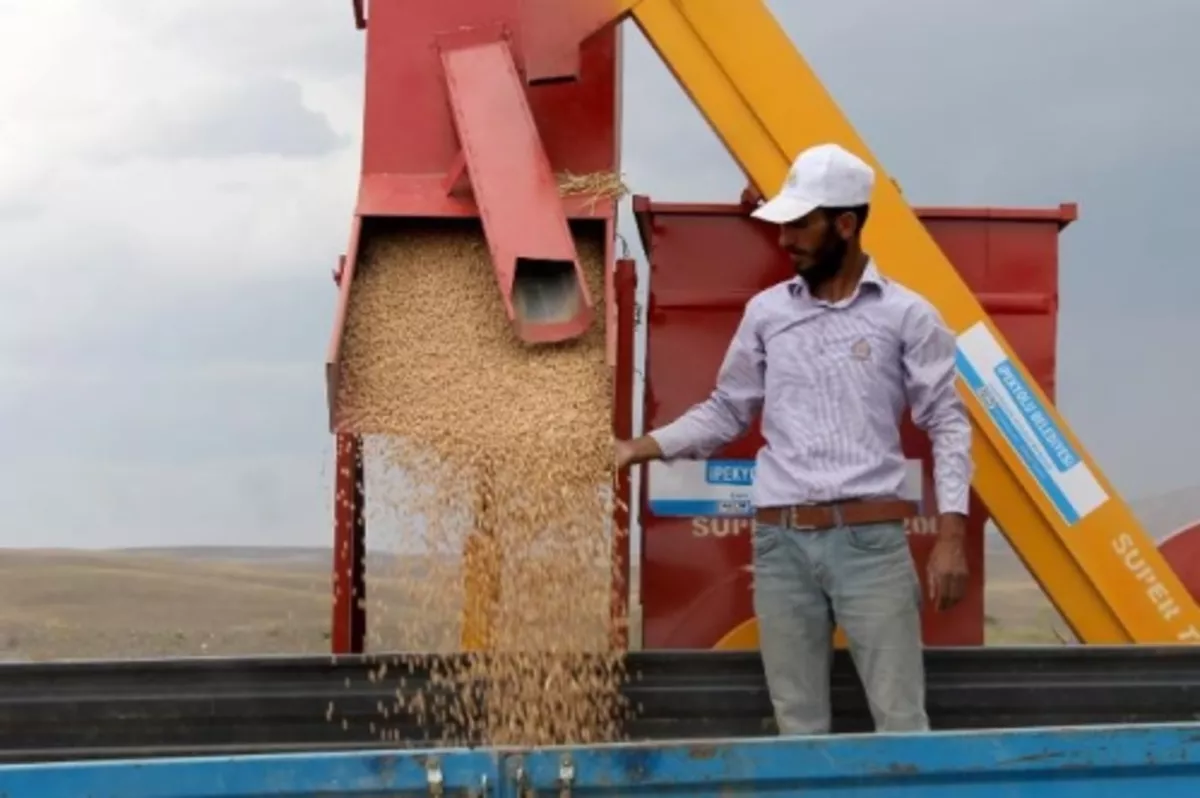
314, 41
259, 117
250, 174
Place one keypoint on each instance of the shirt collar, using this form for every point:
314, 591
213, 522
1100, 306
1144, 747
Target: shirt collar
870, 276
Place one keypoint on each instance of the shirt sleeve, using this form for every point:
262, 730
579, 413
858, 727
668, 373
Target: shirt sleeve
734, 403
937, 408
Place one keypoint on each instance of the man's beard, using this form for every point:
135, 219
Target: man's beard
826, 263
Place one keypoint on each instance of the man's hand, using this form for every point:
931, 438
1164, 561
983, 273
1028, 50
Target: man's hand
751, 196
638, 450
623, 451
948, 562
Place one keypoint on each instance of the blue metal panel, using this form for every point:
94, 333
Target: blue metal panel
1062, 763
273, 776
1163, 761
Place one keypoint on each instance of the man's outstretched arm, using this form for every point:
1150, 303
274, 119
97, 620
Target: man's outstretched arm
723, 417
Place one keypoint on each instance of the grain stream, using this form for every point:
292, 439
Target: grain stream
492, 459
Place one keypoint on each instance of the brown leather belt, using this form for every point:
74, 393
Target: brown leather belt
813, 517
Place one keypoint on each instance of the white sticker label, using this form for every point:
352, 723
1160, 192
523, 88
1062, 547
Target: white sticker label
702, 488
724, 488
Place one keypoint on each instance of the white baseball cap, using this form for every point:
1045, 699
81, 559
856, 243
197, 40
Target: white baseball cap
823, 176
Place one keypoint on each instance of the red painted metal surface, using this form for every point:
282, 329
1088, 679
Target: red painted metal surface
408, 129
349, 542
706, 261
625, 296
551, 31
349, 619
343, 277
1182, 551
515, 190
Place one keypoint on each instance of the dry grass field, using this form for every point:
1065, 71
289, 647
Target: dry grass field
1016, 611
168, 603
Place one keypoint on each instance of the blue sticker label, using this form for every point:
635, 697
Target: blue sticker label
1027, 425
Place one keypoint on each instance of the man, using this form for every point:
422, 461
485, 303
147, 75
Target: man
832, 358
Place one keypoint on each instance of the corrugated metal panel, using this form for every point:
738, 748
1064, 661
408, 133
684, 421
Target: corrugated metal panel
227, 706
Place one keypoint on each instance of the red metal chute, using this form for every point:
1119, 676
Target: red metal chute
472, 109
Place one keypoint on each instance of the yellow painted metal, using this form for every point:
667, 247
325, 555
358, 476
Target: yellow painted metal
766, 104
744, 637
481, 571
483, 560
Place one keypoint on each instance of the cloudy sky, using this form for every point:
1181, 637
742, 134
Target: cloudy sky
176, 180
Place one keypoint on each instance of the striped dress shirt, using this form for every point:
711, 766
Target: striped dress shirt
832, 381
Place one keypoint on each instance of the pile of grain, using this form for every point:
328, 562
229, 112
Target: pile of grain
504, 455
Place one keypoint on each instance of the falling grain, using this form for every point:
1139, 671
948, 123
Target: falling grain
498, 460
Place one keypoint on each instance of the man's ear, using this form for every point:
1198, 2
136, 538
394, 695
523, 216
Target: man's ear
846, 225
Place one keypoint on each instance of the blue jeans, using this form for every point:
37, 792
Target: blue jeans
863, 579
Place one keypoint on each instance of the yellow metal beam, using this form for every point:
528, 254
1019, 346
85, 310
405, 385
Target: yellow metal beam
482, 564
766, 104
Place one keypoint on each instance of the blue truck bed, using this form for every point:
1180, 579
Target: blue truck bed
1158, 760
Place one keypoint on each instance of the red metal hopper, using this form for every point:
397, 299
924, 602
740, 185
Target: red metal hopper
475, 109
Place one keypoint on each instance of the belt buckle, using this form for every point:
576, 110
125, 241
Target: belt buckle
791, 522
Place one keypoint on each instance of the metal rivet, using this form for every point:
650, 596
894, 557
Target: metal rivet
434, 777
566, 770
